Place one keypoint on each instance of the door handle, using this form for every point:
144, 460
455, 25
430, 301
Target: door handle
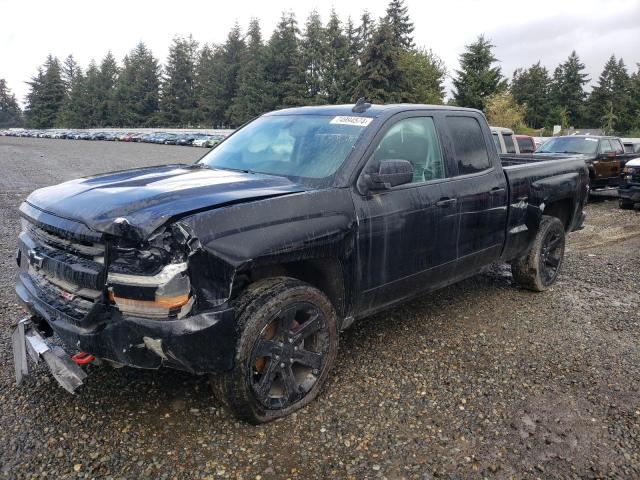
446, 202
497, 190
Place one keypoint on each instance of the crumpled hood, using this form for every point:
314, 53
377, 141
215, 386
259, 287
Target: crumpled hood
144, 199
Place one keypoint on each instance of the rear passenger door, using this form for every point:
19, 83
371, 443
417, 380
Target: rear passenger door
480, 188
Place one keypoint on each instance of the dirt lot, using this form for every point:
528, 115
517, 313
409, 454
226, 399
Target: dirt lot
480, 380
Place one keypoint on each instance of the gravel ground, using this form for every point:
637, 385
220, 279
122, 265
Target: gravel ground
482, 379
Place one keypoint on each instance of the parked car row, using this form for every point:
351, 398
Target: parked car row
508, 143
195, 139
611, 161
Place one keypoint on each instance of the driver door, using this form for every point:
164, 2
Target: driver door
407, 235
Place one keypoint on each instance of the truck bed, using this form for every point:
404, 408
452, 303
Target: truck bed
536, 181
511, 160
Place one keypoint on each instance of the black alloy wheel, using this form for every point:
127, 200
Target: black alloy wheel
288, 356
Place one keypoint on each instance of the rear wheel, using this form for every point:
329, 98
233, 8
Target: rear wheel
288, 344
539, 269
625, 204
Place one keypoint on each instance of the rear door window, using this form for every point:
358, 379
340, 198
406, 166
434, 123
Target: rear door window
605, 146
496, 140
471, 153
617, 146
508, 142
525, 145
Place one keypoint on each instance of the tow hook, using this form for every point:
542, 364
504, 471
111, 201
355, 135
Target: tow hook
82, 358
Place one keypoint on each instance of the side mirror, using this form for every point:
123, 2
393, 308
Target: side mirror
391, 173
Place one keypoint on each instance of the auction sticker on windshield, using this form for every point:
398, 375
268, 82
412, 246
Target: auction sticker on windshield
361, 121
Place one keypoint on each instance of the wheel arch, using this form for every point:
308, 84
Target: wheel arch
562, 209
325, 274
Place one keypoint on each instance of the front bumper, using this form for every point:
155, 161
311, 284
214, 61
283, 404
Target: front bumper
27, 339
200, 343
630, 192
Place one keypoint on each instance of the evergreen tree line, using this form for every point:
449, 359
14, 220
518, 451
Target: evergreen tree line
546, 100
313, 64
227, 84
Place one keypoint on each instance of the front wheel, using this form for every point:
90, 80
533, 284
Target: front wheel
625, 204
539, 269
288, 344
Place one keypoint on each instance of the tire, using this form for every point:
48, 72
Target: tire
288, 344
625, 204
539, 269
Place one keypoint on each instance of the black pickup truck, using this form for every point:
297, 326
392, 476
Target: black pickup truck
247, 264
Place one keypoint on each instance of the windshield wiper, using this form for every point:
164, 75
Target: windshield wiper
204, 165
199, 165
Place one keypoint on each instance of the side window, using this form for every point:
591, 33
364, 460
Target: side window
496, 140
468, 142
605, 146
617, 146
508, 142
414, 139
525, 144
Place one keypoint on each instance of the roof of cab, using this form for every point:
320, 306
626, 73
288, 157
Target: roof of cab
501, 130
373, 111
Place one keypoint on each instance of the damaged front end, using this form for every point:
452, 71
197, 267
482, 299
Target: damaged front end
120, 297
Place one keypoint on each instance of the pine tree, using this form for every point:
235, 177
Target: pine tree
634, 89
137, 89
352, 68
567, 89
92, 102
178, 101
477, 79
611, 97
74, 110
401, 24
340, 69
379, 77
46, 95
365, 31
210, 78
249, 101
70, 70
530, 88
284, 68
232, 53
422, 75
314, 56
107, 77
10, 113
217, 78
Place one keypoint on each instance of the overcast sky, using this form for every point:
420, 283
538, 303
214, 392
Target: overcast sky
523, 31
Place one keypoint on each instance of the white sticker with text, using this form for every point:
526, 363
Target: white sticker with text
360, 121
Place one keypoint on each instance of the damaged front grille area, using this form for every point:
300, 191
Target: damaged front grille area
65, 276
71, 274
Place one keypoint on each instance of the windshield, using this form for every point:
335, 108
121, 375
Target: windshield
570, 145
303, 146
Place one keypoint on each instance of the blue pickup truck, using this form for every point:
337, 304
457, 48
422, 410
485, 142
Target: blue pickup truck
247, 264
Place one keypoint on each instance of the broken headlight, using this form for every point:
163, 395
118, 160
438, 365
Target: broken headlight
151, 279
166, 294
